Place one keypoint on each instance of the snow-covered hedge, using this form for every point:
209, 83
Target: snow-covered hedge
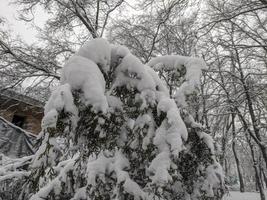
122, 135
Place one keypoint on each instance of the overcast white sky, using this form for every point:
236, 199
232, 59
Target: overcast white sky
10, 13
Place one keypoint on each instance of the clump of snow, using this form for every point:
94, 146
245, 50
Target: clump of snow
84, 74
130, 186
147, 97
141, 121
121, 162
132, 73
97, 50
118, 52
60, 99
168, 106
168, 138
14, 175
44, 158
134, 189
55, 184
50, 119
158, 82
147, 121
159, 169
105, 163
188, 118
97, 167
214, 178
194, 67
9, 167
208, 140
114, 103
123, 136
80, 194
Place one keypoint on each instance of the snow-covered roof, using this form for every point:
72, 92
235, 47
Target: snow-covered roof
14, 141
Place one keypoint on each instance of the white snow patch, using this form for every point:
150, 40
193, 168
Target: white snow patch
118, 52
160, 86
214, 178
114, 103
61, 99
140, 123
14, 175
43, 158
97, 167
132, 73
84, 74
208, 141
194, 67
133, 188
234, 195
168, 106
80, 194
97, 50
159, 169
50, 119
55, 184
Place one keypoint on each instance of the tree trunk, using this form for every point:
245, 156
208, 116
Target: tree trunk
226, 167
240, 176
262, 172
265, 178
255, 134
257, 137
255, 166
258, 181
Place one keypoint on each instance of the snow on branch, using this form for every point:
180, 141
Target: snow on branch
193, 67
125, 137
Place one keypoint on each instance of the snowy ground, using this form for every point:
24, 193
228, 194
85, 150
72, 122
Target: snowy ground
243, 196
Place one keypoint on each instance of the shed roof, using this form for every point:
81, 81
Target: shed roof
22, 98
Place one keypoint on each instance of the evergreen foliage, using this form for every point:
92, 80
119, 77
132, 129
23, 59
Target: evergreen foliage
143, 146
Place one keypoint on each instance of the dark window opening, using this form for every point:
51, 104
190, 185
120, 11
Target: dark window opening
19, 121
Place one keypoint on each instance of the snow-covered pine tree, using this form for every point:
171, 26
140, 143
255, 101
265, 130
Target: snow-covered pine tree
112, 131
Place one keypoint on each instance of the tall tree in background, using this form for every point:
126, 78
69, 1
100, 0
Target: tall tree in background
162, 28
237, 57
